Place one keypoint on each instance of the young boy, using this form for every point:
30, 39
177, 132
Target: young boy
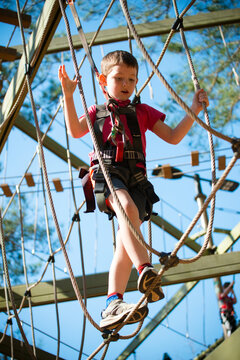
226, 309
127, 171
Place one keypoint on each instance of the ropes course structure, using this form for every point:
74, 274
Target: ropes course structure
167, 260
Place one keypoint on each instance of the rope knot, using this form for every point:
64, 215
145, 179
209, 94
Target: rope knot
76, 217
51, 259
167, 260
28, 69
236, 146
27, 293
108, 336
178, 24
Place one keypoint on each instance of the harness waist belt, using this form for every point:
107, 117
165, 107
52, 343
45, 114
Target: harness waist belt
127, 154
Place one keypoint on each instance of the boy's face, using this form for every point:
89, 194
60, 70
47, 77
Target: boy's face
121, 81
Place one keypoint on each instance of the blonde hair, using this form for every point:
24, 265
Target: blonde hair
115, 58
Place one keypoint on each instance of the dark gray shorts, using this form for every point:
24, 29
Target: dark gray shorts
138, 196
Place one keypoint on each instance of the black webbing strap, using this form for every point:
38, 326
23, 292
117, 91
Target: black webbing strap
133, 126
132, 122
88, 190
101, 114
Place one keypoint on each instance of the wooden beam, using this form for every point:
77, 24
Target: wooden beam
11, 17
229, 240
161, 315
20, 352
8, 54
25, 126
161, 27
36, 49
228, 349
172, 230
96, 284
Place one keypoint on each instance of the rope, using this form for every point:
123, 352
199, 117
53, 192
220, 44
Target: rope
96, 146
79, 237
51, 257
163, 80
229, 56
11, 296
210, 139
105, 172
24, 88
73, 280
25, 269
167, 42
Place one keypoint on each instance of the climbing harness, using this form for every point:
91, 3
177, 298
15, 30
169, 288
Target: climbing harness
119, 156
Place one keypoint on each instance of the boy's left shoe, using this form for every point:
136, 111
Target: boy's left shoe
117, 311
145, 280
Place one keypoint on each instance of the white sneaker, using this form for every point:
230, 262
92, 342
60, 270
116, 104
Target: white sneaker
145, 279
117, 311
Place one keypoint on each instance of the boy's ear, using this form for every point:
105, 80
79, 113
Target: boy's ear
102, 80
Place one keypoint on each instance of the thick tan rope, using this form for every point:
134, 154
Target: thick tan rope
163, 80
25, 270
210, 139
11, 296
167, 42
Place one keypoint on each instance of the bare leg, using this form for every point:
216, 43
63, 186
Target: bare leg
120, 269
129, 250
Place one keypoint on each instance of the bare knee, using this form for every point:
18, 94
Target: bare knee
127, 203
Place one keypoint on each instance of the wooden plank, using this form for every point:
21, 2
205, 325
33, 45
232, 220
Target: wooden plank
11, 17
36, 49
57, 184
96, 284
20, 352
155, 28
167, 171
29, 179
8, 54
22, 124
222, 162
195, 158
6, 190
228, 349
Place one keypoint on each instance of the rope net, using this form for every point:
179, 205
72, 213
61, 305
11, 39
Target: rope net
171, 259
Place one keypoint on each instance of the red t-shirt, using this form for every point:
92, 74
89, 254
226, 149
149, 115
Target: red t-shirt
226, 303
147, 117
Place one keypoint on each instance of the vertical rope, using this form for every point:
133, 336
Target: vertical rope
79, 236
11, 296
51, 256
25, 269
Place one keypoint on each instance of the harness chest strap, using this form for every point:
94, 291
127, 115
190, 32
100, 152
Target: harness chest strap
110, 155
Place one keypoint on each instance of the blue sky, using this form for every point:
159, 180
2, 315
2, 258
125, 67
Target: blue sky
195, 322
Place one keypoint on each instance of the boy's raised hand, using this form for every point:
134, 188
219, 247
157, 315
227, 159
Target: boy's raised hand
68, 85
199, 98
